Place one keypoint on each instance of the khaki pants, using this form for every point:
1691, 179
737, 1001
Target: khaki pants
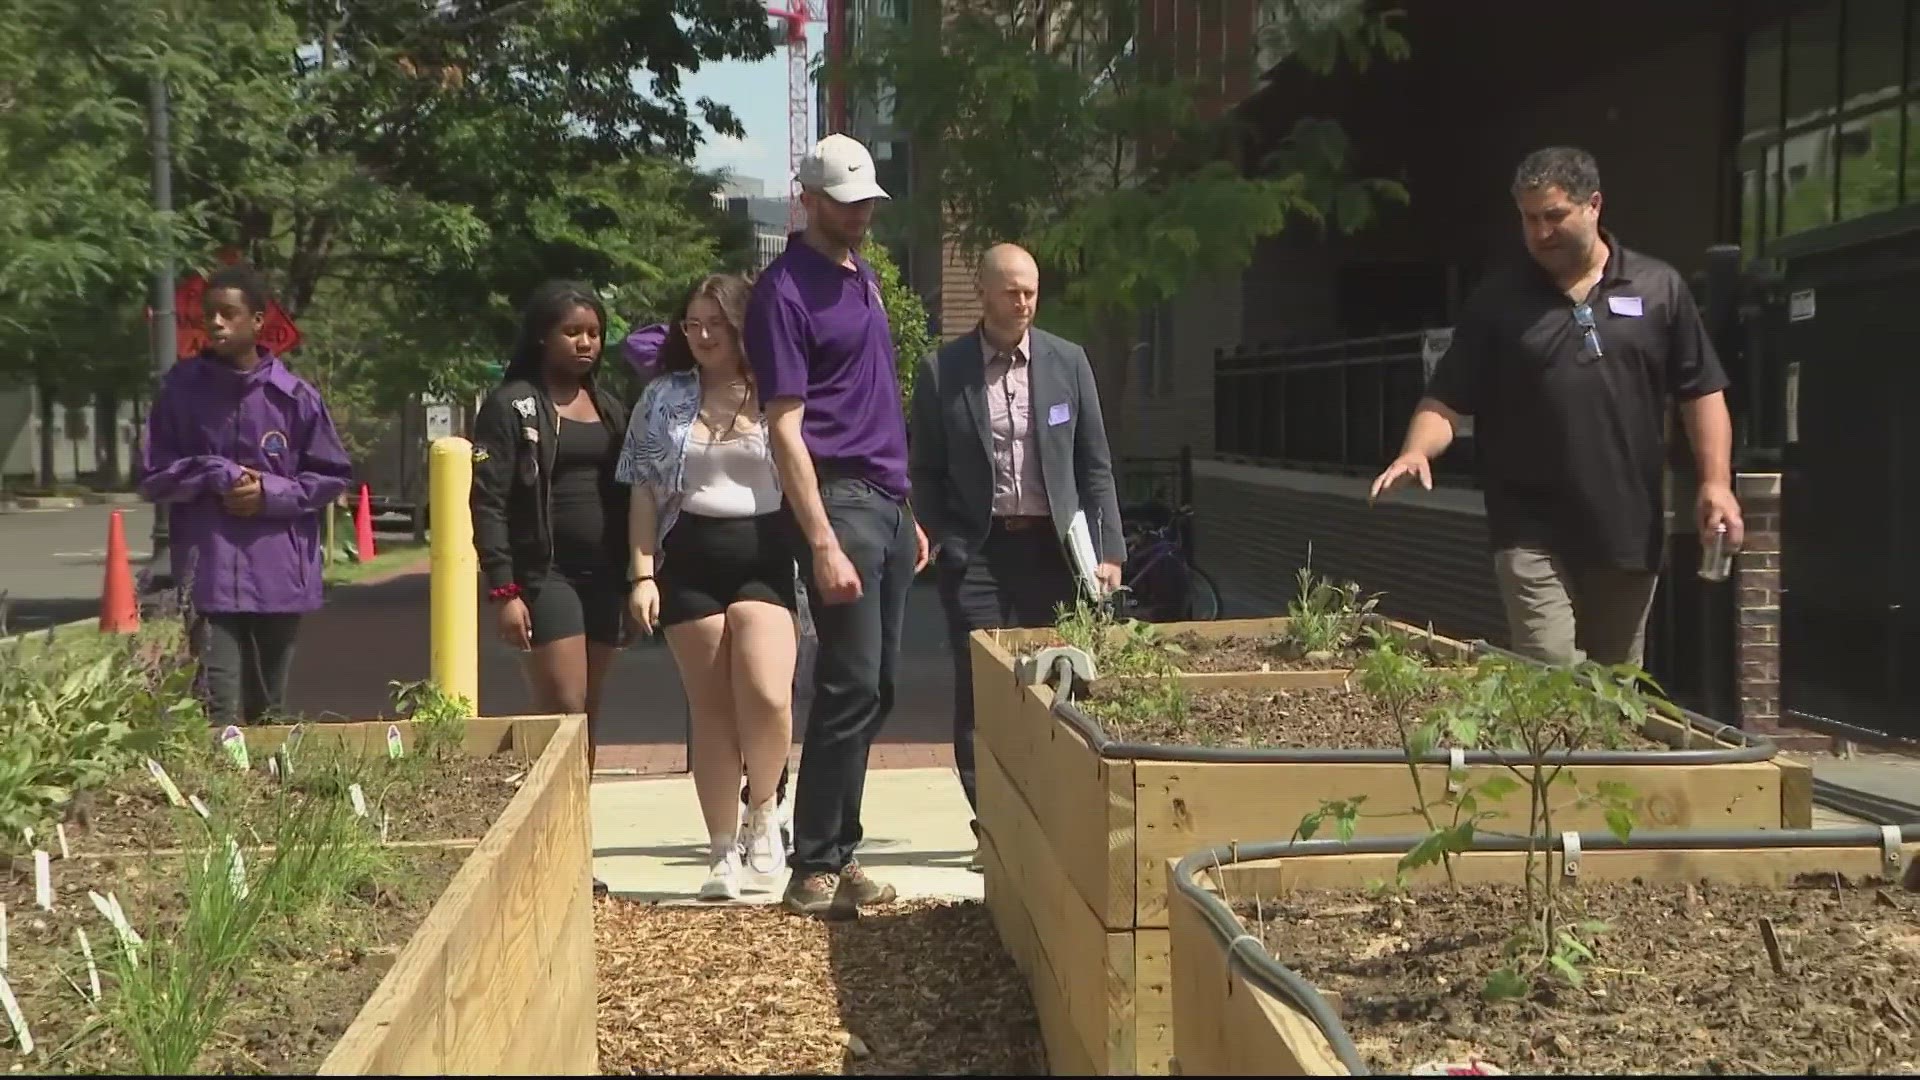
1559, 616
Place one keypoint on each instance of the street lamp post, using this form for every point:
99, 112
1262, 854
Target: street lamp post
165, 338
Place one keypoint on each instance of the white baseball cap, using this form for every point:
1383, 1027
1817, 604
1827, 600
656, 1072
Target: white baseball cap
842, 168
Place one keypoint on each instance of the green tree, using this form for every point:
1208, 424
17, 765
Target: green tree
1089, 151
906, 318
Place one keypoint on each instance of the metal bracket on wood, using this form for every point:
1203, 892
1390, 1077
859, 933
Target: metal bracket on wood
1570, 852
1038, 668
1890, 851
1456, 769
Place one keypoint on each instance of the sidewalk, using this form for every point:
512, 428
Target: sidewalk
649, 843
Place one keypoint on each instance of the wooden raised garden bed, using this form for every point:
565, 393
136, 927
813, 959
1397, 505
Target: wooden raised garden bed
1769, 953
464, 946
1096, 819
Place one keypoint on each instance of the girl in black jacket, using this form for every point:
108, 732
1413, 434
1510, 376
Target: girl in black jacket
549, 519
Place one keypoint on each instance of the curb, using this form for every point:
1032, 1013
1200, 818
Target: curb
47, 502
111, 498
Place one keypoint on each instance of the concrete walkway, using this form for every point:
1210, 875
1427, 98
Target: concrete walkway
649, 842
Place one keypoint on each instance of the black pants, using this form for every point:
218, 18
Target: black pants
853, 670
1009, 580
244, 663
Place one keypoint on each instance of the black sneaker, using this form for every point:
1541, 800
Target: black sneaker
811, 894
599, 887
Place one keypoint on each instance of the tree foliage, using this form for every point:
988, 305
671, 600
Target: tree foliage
406, 171
1091, 152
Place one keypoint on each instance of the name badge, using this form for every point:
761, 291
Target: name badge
1628, 306
1058, 414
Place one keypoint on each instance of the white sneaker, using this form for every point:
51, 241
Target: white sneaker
786, 826
760, 843
723, 876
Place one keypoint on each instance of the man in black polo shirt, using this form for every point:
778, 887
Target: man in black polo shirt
1567, 361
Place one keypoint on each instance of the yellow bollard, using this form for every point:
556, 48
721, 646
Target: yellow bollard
456, 571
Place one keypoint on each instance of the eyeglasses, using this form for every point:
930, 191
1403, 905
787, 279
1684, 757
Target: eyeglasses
1583, 315
695, 327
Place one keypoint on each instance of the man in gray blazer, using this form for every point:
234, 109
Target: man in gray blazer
1007, 442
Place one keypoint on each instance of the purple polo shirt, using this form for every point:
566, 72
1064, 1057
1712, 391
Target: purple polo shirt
817, 331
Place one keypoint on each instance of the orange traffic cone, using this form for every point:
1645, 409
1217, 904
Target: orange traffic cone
363, 526
119, 614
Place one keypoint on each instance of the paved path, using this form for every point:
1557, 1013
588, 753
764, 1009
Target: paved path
370, 635
53, 562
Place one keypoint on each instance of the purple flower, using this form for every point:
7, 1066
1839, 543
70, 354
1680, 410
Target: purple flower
642, 348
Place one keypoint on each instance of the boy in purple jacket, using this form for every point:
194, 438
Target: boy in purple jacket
245, 456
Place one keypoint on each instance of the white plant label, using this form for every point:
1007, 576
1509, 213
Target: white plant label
43, 879
359, 800
273, 765
238, 869
166, 783
383, 826
3, 937
234, 741
16, 1017
294, 736
28, 834
394, 746
200, 807
93, 969
110, 910
60, 833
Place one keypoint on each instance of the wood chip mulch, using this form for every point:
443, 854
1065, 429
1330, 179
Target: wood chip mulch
917, 988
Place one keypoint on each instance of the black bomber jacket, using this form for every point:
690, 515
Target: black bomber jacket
511, 499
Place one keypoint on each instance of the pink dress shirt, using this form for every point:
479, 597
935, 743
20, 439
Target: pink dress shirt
1018, 488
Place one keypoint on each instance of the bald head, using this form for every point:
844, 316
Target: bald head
1009, 282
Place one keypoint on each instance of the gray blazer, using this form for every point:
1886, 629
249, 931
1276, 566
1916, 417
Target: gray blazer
951, 458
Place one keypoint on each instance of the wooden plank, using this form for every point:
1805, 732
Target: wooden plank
1796, 793
1084, 803
1065, 1055
1093, 967
1187, 806
1224, 1026
485, 735
1152, 1001
482, 979
1022, 641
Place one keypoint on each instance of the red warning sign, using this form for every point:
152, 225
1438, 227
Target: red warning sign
277, 333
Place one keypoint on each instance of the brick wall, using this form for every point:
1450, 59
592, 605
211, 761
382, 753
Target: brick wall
959, 297
1757, 601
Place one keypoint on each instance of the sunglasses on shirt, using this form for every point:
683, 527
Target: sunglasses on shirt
1583, 315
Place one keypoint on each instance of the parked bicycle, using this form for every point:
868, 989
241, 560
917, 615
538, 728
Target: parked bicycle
1162, 583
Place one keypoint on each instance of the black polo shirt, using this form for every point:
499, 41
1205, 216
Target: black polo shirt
1572, 447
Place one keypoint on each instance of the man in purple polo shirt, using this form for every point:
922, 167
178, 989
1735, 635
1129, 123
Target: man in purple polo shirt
822, 355
245, 454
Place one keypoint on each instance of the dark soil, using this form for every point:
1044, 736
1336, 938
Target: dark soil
454, 798
1317, 718
1681, 981
1258, 652
302, 990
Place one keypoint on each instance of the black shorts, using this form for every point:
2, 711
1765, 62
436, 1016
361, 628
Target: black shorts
567, 605
709, 563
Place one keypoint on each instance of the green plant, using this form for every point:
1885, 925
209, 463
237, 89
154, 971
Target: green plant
439, 719
1534, 717
1118, 646
1324, 617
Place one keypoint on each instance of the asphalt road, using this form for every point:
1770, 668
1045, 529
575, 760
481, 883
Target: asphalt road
53, 562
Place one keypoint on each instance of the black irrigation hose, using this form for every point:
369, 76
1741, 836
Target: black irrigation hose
1259, 967
1866, 805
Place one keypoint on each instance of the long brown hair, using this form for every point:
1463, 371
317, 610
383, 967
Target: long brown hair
730, 292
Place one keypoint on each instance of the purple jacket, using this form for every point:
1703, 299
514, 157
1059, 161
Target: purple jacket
207, 422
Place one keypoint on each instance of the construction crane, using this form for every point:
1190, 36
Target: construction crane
796, 15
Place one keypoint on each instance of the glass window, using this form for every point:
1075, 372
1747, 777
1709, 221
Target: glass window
1813, 63
1869, 152
1753, 200
1872, 55
1771, 201
1807, 180
1763, 80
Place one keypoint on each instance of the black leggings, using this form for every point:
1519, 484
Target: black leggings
244, 663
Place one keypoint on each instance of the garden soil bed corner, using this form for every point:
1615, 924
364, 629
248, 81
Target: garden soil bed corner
1775, 960
1108, 804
